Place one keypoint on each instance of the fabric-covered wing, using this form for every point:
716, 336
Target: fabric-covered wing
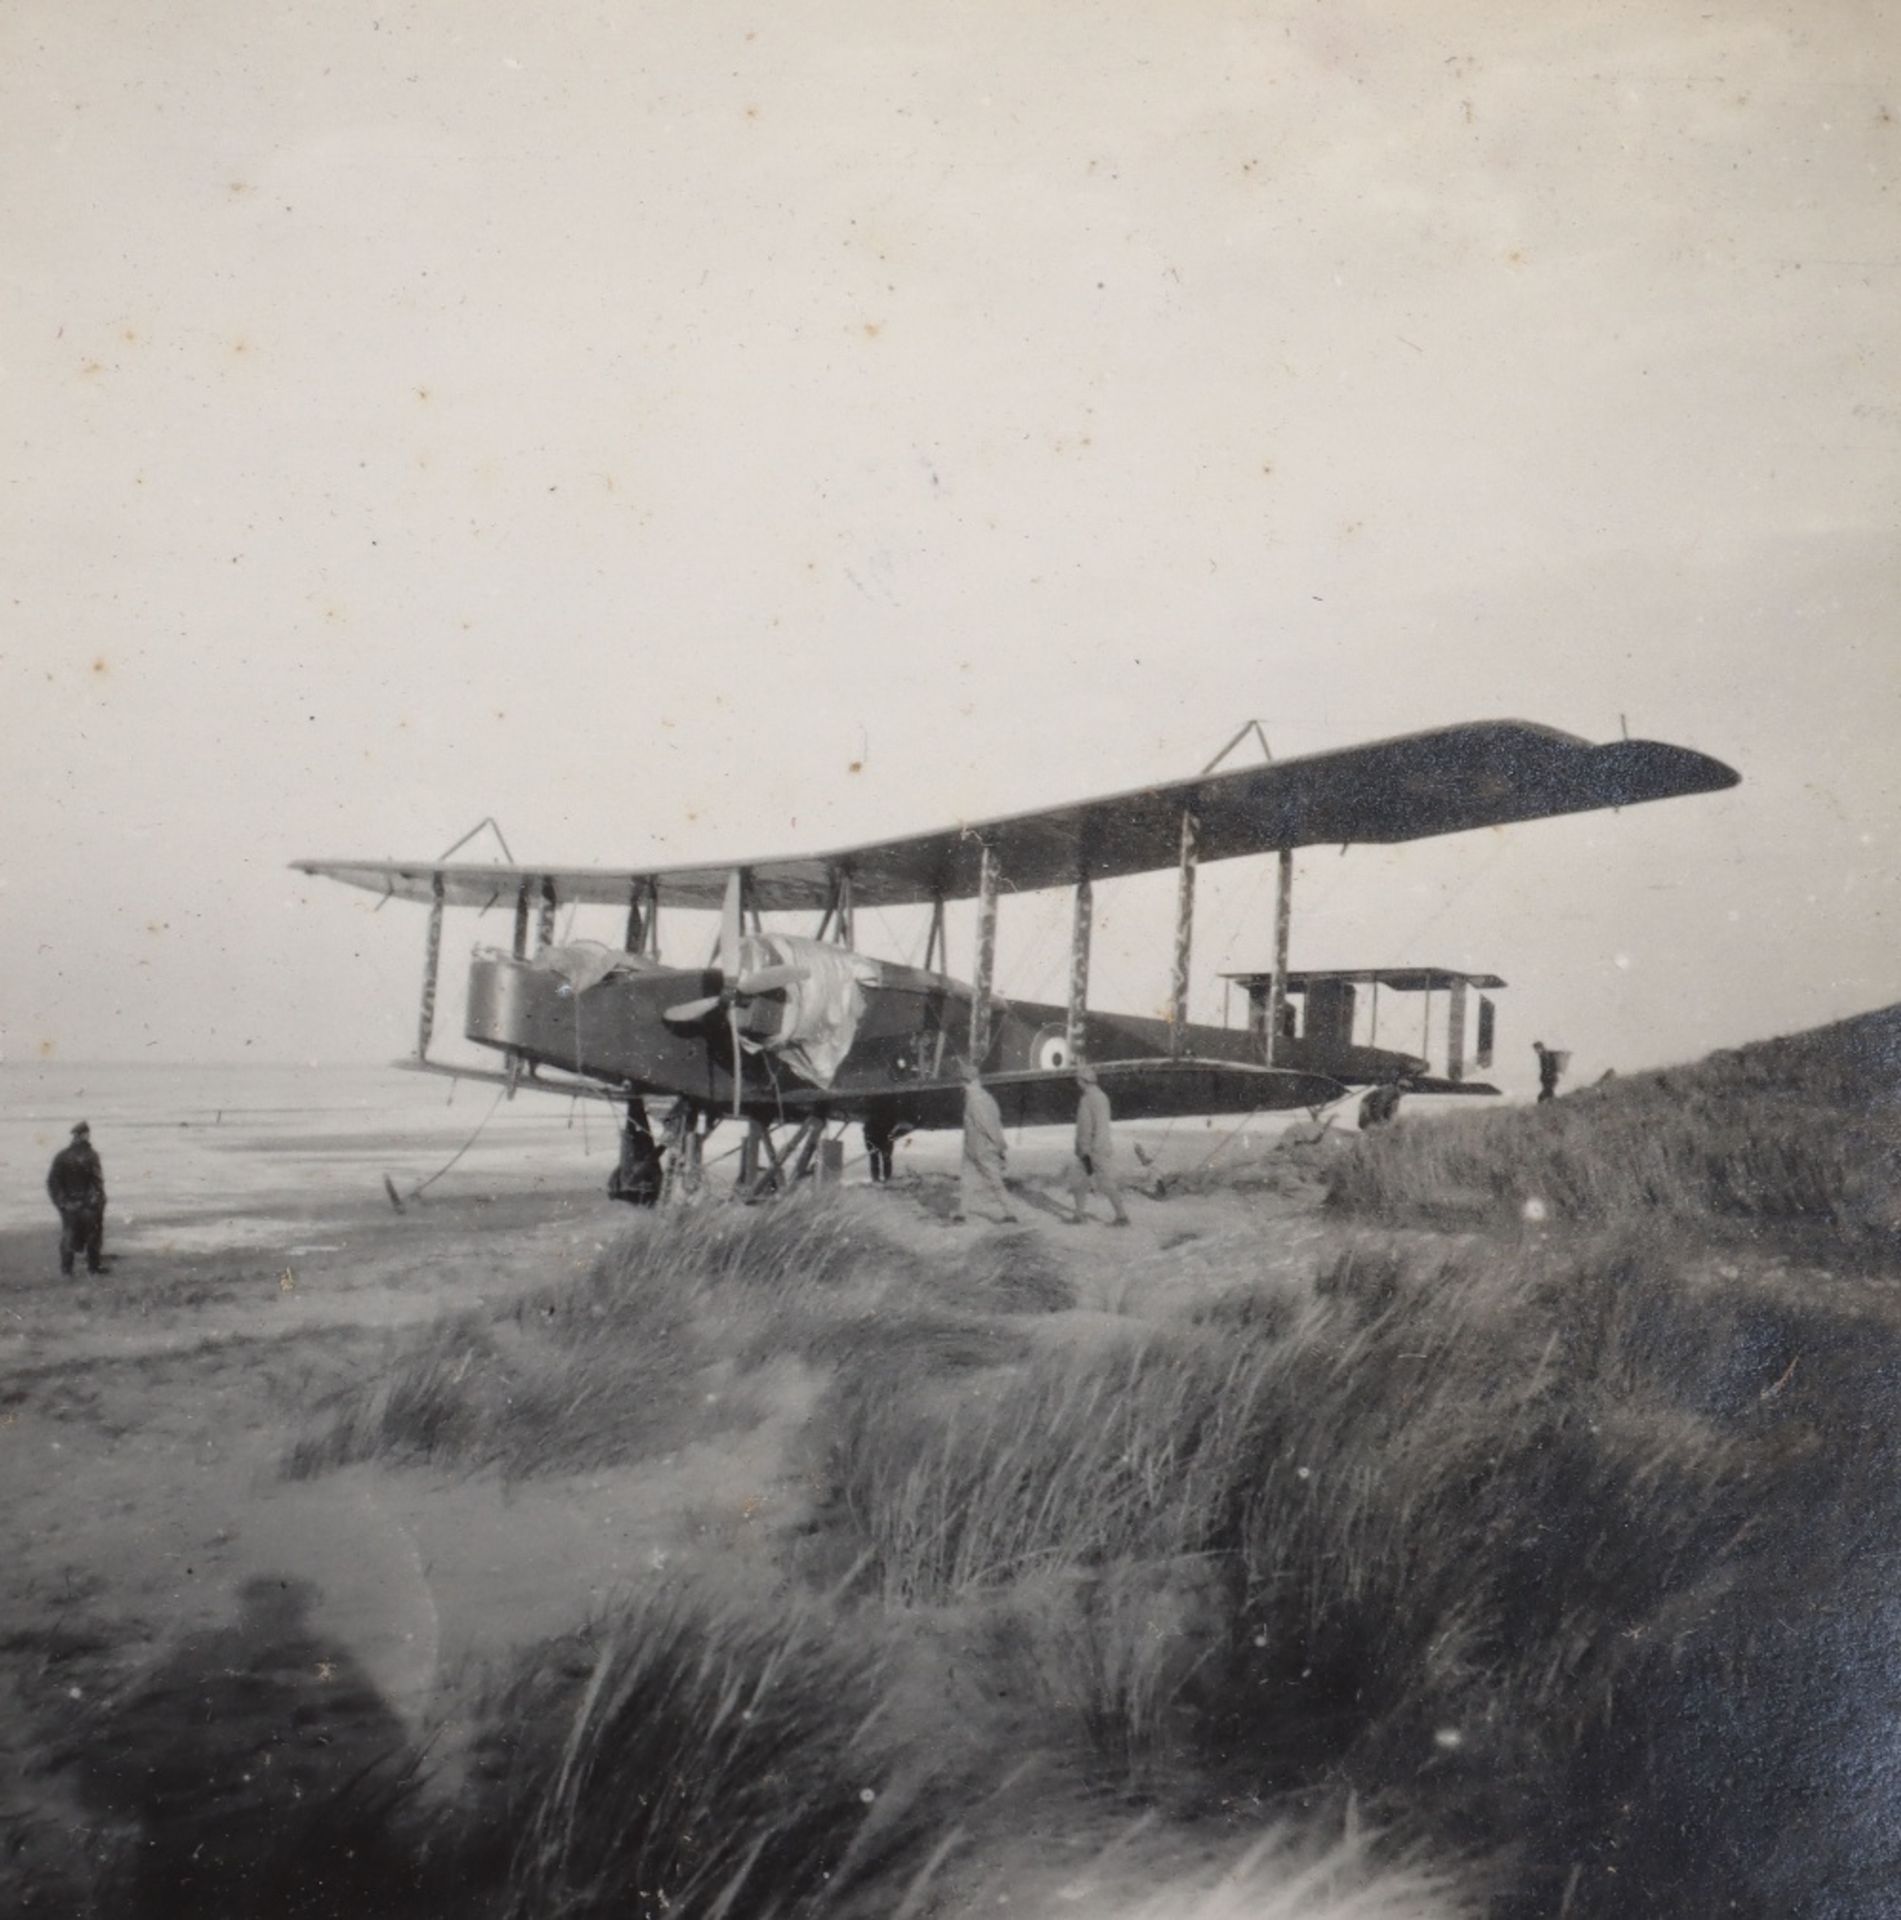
1400, 979
1137, 1090
1483, 774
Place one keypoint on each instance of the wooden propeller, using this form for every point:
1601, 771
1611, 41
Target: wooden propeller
735, 984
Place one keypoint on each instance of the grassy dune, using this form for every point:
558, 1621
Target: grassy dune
1802, 1132
617, 1365
1516, 1574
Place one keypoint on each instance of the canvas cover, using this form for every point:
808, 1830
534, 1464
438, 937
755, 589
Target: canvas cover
822, 1010
583, 963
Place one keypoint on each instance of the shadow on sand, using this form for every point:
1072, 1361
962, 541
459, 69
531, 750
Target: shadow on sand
265, 1771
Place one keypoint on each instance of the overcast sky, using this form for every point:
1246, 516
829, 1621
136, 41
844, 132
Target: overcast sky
690, 430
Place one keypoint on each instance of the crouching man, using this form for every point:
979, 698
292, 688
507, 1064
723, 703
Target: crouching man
639, 1174
1380, 1108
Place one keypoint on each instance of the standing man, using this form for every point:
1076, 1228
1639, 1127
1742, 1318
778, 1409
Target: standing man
1550, 1065
76, 1184
984, 1147
881, 1135
1094, 1171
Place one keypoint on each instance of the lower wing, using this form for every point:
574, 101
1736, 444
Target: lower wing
1137, 1089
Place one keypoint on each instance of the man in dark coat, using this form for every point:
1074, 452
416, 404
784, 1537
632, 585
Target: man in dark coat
881, 1137
638, 1176
1380, 1108
76, 1184
1550, 1065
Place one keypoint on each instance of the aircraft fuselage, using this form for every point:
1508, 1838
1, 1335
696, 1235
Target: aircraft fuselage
914, 1030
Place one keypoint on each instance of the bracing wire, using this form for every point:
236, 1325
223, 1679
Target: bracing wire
1433, 918
1243, 909
1046, 962
899, 945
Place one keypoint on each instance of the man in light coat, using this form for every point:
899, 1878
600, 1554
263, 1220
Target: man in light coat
1094, 1169
984, 1148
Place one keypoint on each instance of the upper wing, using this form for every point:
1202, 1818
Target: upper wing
1483, 774
1400, 979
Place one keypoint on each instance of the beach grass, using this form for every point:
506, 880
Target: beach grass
1799, 1133
686, 1754
1507, 1544
662, 1341
1535, 1572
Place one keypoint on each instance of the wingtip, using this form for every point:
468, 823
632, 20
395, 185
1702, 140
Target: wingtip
1662, 770
1710, 774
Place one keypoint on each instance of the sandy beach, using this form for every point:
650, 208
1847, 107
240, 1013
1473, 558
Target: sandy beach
147, 1414
1185, 1525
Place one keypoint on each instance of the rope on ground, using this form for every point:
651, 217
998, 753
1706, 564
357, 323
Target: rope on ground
389, 1186
1234, 1133
1226, 1140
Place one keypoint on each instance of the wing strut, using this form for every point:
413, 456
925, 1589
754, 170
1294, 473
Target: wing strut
1184, 935
986, 955
1079, 929
838, 920
1259, 732
936, 959
1283, 915
544, 921
432, 961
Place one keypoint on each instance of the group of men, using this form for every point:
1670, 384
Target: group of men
76, 1181
985, 1151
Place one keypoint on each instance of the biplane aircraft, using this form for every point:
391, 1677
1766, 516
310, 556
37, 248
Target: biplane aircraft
790, 1029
